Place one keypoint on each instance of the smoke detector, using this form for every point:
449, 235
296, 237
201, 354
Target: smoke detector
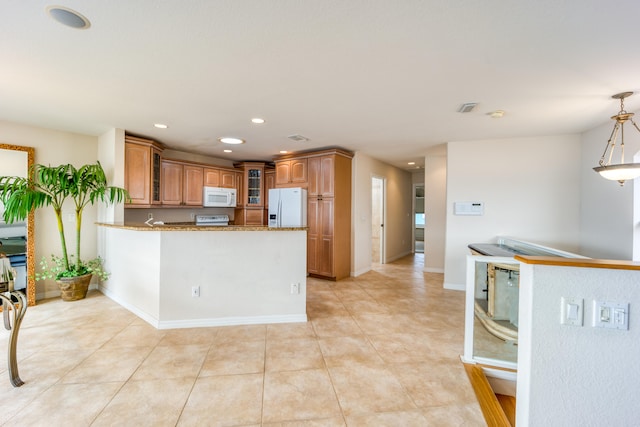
467, 108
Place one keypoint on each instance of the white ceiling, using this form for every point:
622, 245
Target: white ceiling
379, 76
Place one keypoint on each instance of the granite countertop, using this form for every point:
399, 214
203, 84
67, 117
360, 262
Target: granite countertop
191, 226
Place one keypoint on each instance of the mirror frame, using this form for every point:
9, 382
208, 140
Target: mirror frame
31, 242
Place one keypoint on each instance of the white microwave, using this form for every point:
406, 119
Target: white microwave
218, 197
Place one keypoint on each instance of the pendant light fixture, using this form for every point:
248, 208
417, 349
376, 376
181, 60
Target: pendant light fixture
622, 171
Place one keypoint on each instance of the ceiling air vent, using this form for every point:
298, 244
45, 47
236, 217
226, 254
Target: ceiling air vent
467, 108
298, 138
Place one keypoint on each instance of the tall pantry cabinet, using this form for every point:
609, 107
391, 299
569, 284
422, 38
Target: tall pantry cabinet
328, 185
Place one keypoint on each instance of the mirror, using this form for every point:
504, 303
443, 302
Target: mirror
18, 239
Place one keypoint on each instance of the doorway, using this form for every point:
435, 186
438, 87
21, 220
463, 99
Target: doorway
418, 218
377, 219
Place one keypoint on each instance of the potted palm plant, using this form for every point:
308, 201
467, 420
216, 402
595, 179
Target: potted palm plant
52, 186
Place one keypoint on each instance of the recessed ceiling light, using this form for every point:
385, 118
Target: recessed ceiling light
68, 17
257, 120
160, 125
283, 151
298, 138
496, 114
231, 140
411, 163
228, 151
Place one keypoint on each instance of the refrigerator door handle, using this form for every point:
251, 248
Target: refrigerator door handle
279, 213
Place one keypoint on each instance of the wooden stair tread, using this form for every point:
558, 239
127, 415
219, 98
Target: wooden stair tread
508, 404
493, 411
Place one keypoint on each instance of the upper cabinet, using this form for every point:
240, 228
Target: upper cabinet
193, 183
182, 184
142, 159
322, 176
292, 171
211, 177
253, 183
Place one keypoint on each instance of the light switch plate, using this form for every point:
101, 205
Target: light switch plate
611, 315
572, 310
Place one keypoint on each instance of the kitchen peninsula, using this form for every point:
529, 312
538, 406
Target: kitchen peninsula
179, 276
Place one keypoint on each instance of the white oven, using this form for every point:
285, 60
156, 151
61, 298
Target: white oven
218, 197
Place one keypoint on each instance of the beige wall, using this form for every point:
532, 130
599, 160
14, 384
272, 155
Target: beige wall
54, 148
530, 188
398, 220
435, 200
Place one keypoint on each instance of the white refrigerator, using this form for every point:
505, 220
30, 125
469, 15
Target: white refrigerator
287, 207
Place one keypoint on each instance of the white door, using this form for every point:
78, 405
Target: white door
377, 220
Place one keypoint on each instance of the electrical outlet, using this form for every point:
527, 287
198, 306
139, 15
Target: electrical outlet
195, 291
295, 288
193, 216
150, 215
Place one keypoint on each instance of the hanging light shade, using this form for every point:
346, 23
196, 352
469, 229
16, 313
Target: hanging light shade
622, 171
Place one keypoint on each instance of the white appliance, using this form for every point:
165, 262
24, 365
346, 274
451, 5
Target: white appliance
219, 220
219, 197
287, 207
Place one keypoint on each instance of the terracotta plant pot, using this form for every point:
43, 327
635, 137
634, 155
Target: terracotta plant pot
74, 288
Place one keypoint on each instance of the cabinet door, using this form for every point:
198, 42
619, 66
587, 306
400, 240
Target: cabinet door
320, 220
253, 176
137, 173
193, 180
283, 172
171, 183
298, 171
327, 167
156, 171
314, 171
227, 179
269, 183
211, 177
313, 236
238, 187
253, 216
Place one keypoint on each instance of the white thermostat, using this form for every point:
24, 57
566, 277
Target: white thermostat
468, 208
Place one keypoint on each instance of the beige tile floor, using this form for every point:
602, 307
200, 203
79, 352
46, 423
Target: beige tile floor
381, 349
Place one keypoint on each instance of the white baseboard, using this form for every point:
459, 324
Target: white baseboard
141, 314
433, 270
454, 287
203, 323
360, 272
231, 321
402, 255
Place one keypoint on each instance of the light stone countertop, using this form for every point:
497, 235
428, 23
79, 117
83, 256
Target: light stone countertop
190, 226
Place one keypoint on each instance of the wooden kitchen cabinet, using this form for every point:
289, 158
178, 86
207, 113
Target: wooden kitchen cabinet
269, 183
291, 172
228, 178
142, 171
172, 183
320, 223
182, 184
328, 184
322, 176
193, 181
211, 177
252, 184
